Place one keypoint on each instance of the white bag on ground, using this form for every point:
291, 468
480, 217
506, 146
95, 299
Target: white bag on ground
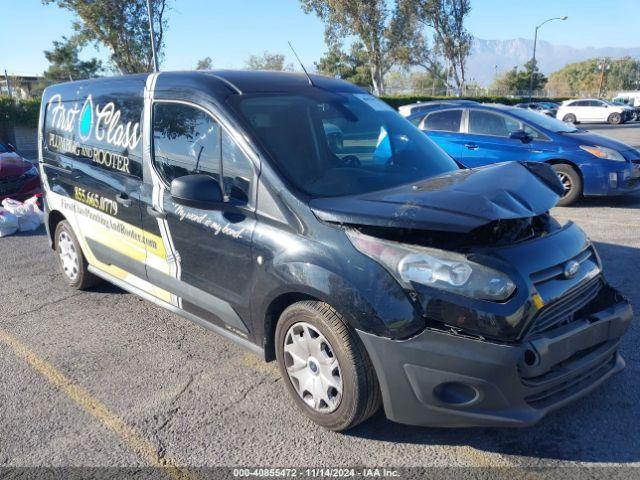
32, 203
28, 213
8, 223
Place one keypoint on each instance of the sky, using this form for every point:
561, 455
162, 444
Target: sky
229, 31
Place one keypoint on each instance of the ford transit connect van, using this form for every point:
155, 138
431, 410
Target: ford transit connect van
373, 269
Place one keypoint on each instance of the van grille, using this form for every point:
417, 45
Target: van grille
563, 310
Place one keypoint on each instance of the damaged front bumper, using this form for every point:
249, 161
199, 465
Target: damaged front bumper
438, 378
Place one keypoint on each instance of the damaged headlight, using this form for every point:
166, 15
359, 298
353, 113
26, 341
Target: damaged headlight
603, 152
439, 269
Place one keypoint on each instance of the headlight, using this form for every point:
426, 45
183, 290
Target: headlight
439, 269
603, 152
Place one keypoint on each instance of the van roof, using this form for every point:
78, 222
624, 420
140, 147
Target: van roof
233, 81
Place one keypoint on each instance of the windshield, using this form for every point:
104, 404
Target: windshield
545, 121
334, 144
3, 149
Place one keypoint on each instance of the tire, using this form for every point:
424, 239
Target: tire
72, 262
571, 180
615, 119
570, 118
359, 396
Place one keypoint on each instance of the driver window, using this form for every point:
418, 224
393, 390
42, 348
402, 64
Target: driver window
489, 123
186, 140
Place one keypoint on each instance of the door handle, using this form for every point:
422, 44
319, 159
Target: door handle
471, 146
123, 199
155, 213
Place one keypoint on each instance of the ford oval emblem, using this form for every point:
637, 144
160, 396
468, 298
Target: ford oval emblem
571, 268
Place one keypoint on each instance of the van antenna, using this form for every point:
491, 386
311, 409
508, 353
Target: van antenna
300, 62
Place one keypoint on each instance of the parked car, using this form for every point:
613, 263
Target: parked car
19, 178
586, 163
546, 108
420, 107
630, 99
380, 274
593, 110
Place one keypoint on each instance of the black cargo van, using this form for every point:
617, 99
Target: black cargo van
309, 222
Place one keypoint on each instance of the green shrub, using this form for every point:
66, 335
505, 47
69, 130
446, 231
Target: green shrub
22, 113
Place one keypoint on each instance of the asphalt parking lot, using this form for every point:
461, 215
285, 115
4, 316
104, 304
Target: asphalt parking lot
103, 378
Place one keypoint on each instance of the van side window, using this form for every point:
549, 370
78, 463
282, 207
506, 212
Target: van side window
186, 140
237, 171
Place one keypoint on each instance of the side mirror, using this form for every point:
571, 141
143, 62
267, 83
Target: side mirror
11, 147
197, 191
521, 135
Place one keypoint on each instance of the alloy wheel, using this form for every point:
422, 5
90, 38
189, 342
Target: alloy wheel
68, 256
566, 182
312, 367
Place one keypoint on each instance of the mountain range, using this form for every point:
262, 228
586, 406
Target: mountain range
488, 55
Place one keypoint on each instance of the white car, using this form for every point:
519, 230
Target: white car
593, 110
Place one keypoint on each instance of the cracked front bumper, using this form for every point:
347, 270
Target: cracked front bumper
440, 379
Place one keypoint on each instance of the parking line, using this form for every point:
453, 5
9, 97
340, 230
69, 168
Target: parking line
96, 409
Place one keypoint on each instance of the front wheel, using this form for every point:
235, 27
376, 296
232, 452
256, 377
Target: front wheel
571, 181
325, 366
72, 262
615, 119
569, 118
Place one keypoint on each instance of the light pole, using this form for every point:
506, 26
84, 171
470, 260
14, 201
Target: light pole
152, 37
533, 61
603, 67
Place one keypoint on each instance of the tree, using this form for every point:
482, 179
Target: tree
371, 22
539, 80
352, 66
583, 78
65, 64
517, 81
432, 83
204, 64
122, 26
451, 40
268, 61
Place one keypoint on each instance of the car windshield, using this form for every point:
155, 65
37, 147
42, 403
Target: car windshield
545, 122
334, 144
3, 149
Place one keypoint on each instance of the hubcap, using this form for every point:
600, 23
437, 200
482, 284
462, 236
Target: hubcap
566, 182
312, 367
68, 256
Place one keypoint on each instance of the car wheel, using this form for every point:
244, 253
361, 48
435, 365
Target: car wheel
615, 118
72, 261
325, 366
571, 181
570, 118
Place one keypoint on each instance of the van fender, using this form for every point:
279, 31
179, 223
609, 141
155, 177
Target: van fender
384, 311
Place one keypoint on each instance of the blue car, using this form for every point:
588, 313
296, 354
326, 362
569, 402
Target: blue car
586, 163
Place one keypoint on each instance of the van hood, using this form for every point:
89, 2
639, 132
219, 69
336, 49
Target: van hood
458, 201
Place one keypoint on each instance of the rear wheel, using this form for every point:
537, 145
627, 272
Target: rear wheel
571, 181
570, 118
325, 366
72, 262
615, 118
